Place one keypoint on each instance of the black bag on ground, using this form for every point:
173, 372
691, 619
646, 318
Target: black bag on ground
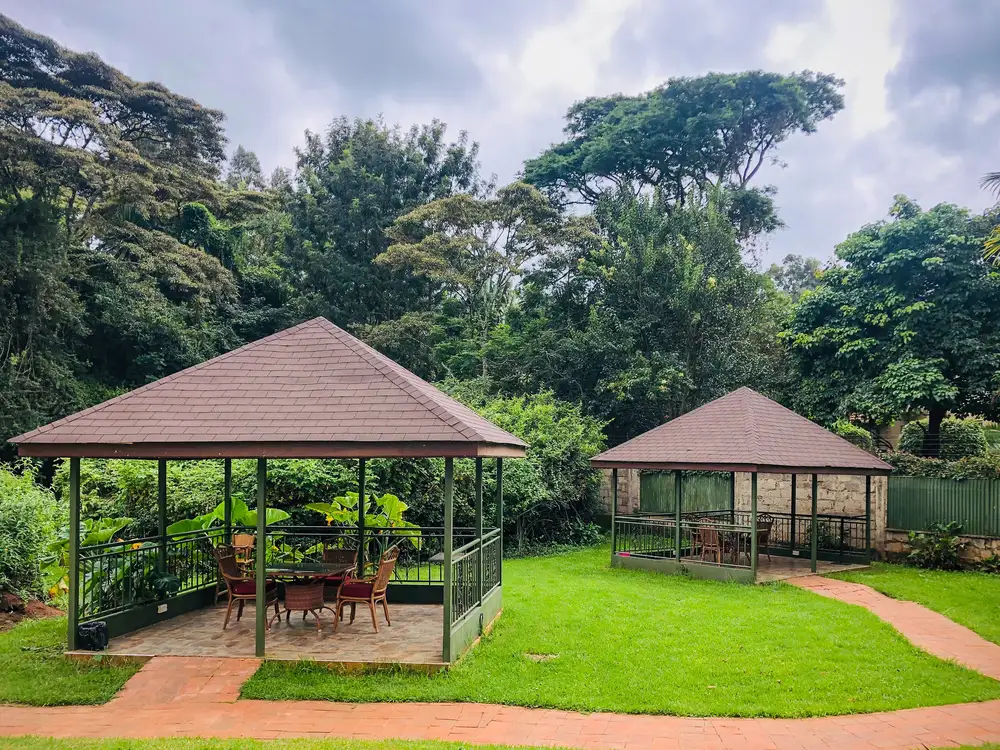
92, 636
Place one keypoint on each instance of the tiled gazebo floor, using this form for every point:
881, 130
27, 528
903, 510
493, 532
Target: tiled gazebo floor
780, 568
415, 638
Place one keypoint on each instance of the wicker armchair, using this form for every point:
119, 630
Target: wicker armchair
243, 546
339, 556
711, 543
369, 590
239, 586
765, 522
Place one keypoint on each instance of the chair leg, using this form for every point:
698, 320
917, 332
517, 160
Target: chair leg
229, 611
353, 612
239, 611
337, 612
371, 607
385, 608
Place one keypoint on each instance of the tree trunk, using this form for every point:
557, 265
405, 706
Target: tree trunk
932, 437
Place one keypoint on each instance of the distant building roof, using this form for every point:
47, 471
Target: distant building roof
309, 391
742, 431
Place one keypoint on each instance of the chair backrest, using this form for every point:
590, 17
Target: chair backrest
340, 555
764, 523
226, 557
385, 568
244, 540
709, 536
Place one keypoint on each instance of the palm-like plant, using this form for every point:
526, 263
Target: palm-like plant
991, 248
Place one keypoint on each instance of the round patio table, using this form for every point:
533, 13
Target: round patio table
304, 584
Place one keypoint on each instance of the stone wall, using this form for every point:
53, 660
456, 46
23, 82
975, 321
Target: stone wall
977, 548
837, 494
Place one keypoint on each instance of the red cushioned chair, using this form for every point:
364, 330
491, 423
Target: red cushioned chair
339, 556
368, 590
240, 587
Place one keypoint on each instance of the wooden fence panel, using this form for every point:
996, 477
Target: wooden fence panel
701, 492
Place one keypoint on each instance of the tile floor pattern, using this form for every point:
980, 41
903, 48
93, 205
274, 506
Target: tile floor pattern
923, 627
415, 636
157, 702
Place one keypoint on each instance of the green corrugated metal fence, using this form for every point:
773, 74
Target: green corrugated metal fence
914, 503
701, 492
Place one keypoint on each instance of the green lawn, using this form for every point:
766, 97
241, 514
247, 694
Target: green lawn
637, 642
33, 669
971, 599
42, 743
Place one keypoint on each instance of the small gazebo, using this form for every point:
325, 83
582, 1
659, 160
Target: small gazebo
741, 432
311, 391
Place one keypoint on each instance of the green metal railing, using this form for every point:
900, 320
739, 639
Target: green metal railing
467, 563
122, 575
915, 503
657, 537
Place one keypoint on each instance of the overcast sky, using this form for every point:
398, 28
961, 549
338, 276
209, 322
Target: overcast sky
922, 114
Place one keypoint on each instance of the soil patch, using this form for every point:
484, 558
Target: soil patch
33, 610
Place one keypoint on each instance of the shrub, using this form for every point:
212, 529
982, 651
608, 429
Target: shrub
980, 467
991, 564
30, 519
854, 434
938, 548
959, 438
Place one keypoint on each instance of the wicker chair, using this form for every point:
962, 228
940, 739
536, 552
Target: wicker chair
243, 546
339, 556
765, 522
369, 590
711, 543
239, 586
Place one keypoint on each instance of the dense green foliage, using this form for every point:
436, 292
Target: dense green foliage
958, 438
983, 467
30, 519
969, 598
907, 323
36, 672
782, 651
857, 435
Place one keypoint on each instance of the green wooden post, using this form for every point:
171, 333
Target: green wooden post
732, 497
74, 553
614, 512
678, 500
479, 524
362, 508
260, 608
753, 526
161, 515
500, 516
449, 520
815, 525
791, 539
868, 517
227, 499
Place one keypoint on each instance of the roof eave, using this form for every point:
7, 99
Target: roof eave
606, 463
265, 449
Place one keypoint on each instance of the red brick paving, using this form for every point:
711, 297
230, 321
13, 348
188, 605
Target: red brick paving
926, 629
157, 702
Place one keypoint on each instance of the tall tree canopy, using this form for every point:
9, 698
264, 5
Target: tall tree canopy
350, 186
795, 275
906, 323
684, 137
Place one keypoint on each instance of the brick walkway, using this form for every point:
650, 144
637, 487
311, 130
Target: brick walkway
157, 702
926, 629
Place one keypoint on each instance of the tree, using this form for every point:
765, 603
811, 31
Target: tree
684, 137
795, 275
244, 171
991, 249
663, 316
907, 322
349, 187
476, 248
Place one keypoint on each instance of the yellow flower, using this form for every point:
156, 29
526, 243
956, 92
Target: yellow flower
137, 545
329, 520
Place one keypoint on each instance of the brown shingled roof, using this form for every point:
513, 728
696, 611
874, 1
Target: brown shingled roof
309, 391
742, 431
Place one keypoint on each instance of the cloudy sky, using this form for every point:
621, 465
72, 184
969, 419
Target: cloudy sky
923, 101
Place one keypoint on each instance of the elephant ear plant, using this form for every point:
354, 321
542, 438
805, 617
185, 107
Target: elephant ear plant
383, 516
242, 516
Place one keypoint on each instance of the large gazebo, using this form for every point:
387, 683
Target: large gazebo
311, 391
741, 432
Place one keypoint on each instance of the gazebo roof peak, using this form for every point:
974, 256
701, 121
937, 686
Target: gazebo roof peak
742, 431
312, 390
